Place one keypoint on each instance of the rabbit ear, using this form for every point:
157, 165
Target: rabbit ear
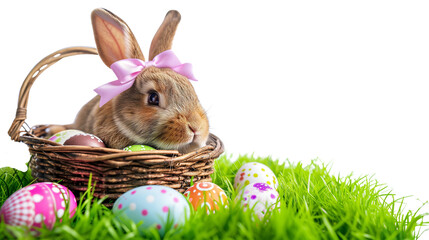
113, 37
163, 38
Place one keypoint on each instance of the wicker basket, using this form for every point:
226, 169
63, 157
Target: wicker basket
114, 171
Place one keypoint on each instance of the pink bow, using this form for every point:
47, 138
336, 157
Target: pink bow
127, 70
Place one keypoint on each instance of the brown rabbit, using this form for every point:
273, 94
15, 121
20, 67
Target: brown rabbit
161, 109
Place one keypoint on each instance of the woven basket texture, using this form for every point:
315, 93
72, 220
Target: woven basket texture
113, 171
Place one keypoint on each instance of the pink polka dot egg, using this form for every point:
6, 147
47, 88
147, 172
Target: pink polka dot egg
38, 204
254, 172
153, 206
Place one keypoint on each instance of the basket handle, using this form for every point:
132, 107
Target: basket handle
21, 111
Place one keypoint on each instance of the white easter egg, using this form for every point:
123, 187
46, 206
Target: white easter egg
260, 197
255, 172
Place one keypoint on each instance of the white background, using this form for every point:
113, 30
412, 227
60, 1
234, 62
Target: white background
344, 82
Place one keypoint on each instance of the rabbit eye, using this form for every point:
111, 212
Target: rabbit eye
153, 99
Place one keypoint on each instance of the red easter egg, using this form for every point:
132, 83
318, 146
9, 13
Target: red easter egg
206, 195
85, 139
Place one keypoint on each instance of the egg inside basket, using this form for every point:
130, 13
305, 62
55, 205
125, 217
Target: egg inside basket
113, 171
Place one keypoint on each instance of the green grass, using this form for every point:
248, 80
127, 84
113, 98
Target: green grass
314, 205
11, 180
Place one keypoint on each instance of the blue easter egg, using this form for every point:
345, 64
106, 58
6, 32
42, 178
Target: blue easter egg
153, 205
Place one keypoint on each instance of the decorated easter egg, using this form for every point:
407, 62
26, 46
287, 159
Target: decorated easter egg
260, 197
206, 195
85, 139
254, 172
136, 148
154, 206
38, 204
63, 136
